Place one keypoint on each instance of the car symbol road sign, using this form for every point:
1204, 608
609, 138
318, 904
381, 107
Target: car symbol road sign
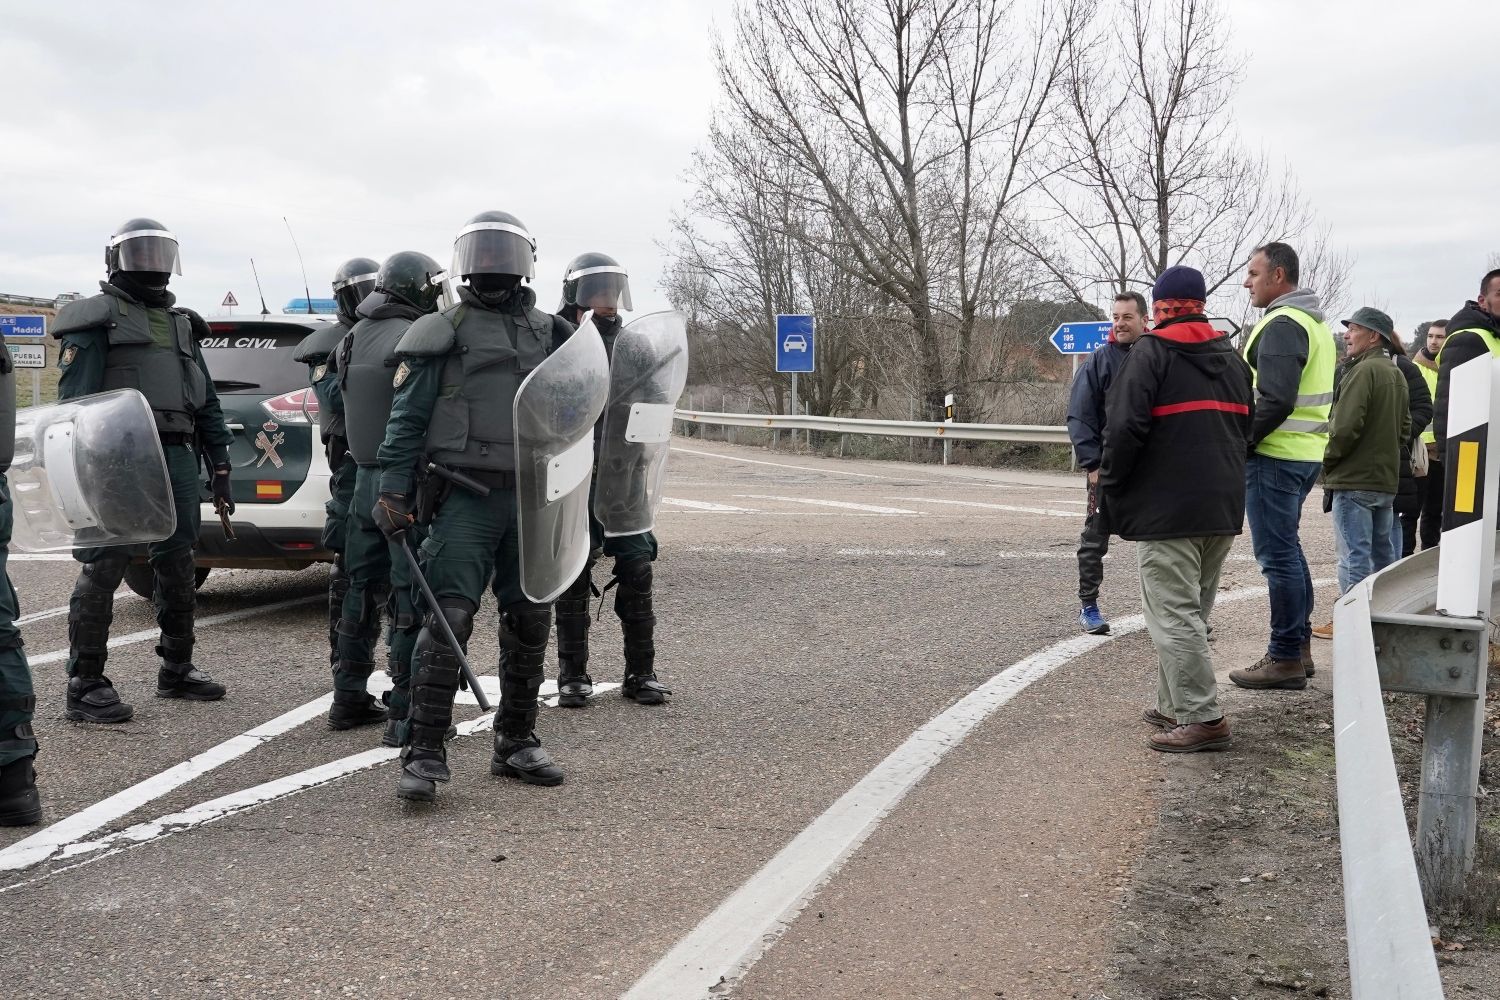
794, 343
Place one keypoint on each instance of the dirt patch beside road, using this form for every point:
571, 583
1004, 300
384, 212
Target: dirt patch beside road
1240, 893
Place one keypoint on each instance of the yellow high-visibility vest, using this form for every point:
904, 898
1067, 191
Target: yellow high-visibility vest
1302, 436
1429, 376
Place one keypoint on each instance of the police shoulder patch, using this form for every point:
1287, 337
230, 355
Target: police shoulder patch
402, 370
319, 372
69, 353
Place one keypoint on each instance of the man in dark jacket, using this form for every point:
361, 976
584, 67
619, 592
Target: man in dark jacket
1473, 331
1086, 428
1367, 441
1428, 523
1173, 477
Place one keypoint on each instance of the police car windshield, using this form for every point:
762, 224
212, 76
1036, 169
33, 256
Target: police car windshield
254, 357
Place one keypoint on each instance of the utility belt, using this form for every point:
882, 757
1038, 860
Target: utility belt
437, 482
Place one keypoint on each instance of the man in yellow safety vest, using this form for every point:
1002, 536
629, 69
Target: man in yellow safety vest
1426, 525
1472, 331
1292, 357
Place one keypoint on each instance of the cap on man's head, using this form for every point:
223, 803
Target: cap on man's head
1180, 282
1373, 319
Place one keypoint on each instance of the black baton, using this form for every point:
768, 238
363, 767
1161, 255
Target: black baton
437, 616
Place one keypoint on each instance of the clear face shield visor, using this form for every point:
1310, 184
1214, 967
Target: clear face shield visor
145, 250
494, 248
604, 287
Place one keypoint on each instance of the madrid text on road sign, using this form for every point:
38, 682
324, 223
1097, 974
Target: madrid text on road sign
23, 326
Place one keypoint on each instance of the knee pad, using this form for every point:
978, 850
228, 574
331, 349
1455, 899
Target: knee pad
176, 589
91, 611
103, 575
367, 625
634, 574
578, 591
526, 627
633, 599
459, 615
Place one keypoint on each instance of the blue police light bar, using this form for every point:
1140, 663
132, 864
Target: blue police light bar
319, 306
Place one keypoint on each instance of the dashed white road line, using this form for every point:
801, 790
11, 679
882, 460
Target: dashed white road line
719, 951
867, 508
859, 551
1049, 511
739, 550
799, 468
705, 505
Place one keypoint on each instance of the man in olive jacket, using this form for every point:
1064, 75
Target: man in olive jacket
1362, 464
1176, 432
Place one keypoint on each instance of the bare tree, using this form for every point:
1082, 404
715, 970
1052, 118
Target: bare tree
909, 130
1157, 174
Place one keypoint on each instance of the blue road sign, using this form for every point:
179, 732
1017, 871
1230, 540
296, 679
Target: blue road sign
23, 326
1080, 338
794, 343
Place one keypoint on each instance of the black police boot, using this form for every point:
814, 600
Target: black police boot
352, 705
178, 678
434, 685
574, 685
20, 805
518, 752
93, 699
338, 587
525, 759
421, 770
638, 624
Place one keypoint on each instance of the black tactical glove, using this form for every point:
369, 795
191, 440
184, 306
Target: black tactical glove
393, 514
223, 495
199, 327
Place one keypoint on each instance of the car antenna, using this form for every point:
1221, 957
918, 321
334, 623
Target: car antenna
263, 310
305, 289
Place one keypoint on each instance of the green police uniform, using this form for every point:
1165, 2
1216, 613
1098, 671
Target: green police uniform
317, 352
455, 389
633, 556
115, 340
19, 805
378, 574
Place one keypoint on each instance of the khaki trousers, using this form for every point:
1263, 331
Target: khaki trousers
1179, 578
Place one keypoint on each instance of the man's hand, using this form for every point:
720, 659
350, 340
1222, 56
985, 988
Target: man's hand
223, 494
393, 514
1093, 477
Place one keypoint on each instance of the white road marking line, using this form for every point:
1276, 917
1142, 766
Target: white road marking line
705, 505
719, 951
42, 844
739, 550
147, 634
892, 552
783, 465
278, 788
1050, 512
840, 504
41, 557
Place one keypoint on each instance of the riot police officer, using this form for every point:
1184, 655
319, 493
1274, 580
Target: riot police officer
19, 803
132, 335
354, 279
367, 377
455, 388
596, 281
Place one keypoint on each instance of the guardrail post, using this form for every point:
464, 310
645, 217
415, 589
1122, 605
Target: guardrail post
1454, 727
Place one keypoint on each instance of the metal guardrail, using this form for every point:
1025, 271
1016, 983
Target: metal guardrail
1021, 433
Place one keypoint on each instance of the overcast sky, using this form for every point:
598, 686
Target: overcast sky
383, 126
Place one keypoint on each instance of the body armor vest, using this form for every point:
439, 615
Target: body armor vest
473, 421
169, 377
367, 366
316, 351
7, 417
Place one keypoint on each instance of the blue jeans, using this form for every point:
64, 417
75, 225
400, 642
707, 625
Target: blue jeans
1275, 489
1362, 534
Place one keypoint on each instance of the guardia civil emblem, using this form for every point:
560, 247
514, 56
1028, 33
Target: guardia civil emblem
319, 372
69, 353
402, 370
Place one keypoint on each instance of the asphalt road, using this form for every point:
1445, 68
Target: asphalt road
814, 615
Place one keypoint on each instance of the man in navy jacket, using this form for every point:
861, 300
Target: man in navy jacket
1086, 428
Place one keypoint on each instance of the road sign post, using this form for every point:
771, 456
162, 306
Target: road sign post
25, 338
1077, 340
795, 342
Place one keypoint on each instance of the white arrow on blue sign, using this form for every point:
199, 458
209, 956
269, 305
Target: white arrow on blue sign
794, 343
23, 326
1081, 338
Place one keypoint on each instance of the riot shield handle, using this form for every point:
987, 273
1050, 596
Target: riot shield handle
438, 616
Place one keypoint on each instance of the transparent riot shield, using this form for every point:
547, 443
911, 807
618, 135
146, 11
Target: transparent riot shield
89, 472
647, 374
555, 411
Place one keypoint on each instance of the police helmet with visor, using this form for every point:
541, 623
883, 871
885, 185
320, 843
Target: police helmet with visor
495, 243
595, 281
142, 245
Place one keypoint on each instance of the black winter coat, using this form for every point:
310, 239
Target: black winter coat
1086, 402
1458, 348
1176, 435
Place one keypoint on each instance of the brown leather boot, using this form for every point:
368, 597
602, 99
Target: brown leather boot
1308, 666
1192, 738
1269, 673
1154, 718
